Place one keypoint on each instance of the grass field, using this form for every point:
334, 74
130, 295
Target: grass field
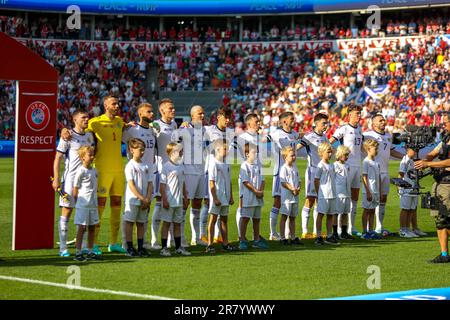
278, 273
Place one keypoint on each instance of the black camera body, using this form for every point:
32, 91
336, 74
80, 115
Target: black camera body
429, 202
416, 137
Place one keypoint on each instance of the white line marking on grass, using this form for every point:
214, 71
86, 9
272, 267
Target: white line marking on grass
62, 285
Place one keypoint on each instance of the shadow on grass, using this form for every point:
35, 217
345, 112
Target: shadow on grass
198, 251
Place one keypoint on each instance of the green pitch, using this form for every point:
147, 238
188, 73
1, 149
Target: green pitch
290, 272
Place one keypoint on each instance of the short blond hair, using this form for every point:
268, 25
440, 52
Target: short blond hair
136, 143
370, 143
84, 150
285, 151
323, 147
342, 151
219, 143
173, 146
144, 105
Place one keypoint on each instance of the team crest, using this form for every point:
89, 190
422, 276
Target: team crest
37, 116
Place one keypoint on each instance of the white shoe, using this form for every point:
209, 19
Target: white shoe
419, 232
275, 237
413, 235
405, 234
148, 246
165, 252
155, 246
183, 252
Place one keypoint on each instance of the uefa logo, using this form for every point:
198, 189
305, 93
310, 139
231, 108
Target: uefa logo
37, 116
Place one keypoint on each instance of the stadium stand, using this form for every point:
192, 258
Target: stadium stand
412, 79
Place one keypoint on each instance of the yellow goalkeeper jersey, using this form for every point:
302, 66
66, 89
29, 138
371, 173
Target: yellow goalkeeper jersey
108, 133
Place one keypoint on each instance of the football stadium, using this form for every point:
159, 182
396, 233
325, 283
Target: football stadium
224, 150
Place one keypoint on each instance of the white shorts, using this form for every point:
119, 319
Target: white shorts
218, 210
289, 209
67, 187
251, 212
384, 183
408, 202
310, 189
373, 204
342, 205
195, 186
326, 206
134, 213
174, 215
354, 174
276, 186
86, 216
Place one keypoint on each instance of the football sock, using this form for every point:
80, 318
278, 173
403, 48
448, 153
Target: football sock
274, 220
101, 209
177, 242
204, 221
164, 243
114, 223
182, 224
315, 214
194, 218
335, 228
170, 235
344, 229
217, 229
305, 219
140, 244
129, 244
63, 231
379, 216
156, 222
352, 215
124, 237
238, 220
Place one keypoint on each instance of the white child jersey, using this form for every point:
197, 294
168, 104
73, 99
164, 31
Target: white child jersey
251, 173
384, 148
281, 139
172, 176
289, 175
219, 172
148, 136
372, 169
70, 150
352, 138
141, 174
213, 133
406, 165
311, 142
164, 138
86, 182
192, 140
327, 187
343, 185
247, 137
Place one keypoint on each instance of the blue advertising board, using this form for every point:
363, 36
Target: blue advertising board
208, 7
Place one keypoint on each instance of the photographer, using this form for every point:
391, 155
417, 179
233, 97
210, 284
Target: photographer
441, 188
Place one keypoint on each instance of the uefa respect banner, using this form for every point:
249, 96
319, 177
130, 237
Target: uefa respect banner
34, 198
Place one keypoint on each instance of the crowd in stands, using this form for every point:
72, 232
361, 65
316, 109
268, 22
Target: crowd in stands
312, 30
266, 81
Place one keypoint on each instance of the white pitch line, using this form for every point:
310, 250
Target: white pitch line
62, 285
